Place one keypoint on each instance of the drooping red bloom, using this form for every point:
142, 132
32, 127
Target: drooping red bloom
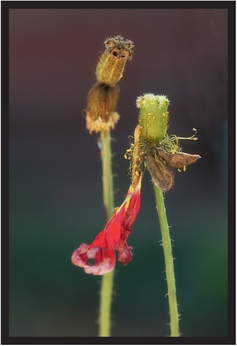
113, 237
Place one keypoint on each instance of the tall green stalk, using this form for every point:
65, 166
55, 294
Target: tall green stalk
108, 198
169, 267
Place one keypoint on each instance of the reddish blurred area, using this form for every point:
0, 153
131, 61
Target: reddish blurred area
179, 53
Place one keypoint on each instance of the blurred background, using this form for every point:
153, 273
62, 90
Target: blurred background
55, 170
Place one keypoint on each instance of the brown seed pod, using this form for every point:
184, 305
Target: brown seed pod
111, 65
177, 160
162, 175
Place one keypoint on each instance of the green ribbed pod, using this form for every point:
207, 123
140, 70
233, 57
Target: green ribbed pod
153, 117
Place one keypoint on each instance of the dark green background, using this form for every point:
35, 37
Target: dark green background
55, 171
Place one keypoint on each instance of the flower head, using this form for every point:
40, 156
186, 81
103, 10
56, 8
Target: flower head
159, 151
101, 112
153, 116
113, 237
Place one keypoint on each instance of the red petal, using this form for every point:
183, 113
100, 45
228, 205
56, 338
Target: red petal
125, 255
112, 238
134, 204
102, 248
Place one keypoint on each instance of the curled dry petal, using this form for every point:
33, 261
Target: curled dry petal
160, 166
162, 175
177, 160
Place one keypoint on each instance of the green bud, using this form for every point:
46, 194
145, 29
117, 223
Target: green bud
111, 65
153, 117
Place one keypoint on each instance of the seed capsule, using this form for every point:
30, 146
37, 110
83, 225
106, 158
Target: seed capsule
111, 65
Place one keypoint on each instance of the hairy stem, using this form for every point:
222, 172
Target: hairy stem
107, 279
169, 267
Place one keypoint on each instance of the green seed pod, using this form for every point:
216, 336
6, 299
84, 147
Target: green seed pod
153, 116
111, 65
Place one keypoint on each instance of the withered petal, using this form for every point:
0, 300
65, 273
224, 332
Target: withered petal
113, 237
177, 160
161, 174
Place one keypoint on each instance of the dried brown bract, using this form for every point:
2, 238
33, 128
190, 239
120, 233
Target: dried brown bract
101, 106
162, 175
177, 160
160, 162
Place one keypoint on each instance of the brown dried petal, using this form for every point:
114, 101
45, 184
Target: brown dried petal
161, 174
102, 101
177, 160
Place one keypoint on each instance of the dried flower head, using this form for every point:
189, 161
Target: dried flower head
101, 106
111, 65
113, 44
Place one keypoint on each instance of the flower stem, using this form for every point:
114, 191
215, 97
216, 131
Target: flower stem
169, 267
107, 279
108, 194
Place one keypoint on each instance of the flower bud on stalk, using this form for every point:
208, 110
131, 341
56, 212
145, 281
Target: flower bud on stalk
153, 117
162, 151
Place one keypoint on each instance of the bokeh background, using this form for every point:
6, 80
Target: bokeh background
55, 170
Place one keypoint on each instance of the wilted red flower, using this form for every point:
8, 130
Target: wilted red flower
113, 237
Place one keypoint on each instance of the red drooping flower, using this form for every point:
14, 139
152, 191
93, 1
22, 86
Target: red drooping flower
113, 237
